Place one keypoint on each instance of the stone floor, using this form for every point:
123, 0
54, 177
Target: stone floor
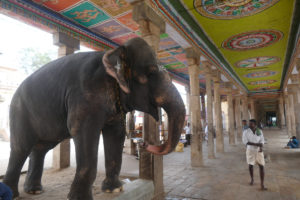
223, 178
227, 178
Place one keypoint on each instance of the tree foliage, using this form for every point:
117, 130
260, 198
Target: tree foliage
32, 59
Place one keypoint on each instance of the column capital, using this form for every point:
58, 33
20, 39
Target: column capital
216, 76
142, 12
61, 39
290, 87
192, 55
207, 67
297, 64
294, 78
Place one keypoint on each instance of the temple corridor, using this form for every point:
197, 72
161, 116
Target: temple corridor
225, 177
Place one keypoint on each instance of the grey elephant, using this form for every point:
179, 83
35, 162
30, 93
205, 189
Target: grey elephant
79, 96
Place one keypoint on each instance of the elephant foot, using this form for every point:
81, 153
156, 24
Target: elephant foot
79, 196
33, 189
112, 186
80, 193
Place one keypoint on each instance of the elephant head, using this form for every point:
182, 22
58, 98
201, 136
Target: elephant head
146, 87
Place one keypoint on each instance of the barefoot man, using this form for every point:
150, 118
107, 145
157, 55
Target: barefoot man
254, 139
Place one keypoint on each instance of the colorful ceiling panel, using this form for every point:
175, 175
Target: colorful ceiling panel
246, 39
111, 20
249, 38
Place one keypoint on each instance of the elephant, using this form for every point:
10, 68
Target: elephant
80, 96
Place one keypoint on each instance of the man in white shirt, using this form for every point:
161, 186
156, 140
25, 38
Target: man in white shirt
187, 129
254, 139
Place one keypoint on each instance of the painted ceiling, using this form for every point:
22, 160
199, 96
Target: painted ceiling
103, 24
249, 37
245, 39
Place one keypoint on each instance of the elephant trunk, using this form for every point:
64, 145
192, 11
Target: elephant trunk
172, 103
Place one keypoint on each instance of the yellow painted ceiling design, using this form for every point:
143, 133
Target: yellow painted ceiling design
266, 29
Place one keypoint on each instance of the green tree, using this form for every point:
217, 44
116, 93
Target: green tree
32, 59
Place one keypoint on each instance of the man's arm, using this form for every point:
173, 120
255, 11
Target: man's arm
255, 144
245, 139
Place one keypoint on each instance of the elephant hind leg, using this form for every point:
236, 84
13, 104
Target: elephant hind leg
33, 184
22, 140
16, 161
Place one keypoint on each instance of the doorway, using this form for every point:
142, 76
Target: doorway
271, 119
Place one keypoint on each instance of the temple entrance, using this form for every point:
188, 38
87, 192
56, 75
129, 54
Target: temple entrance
271, 119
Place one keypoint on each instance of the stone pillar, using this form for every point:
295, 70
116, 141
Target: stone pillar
196, 143
253, 113
230, 115
129, 146
66, 45
218, 111
209, 113
292, 109
288, 115
203, 109
238, 118
245, 112
281, 112
296, 102
151, 166
188, 110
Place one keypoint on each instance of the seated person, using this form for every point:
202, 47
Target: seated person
293, 143
5, 192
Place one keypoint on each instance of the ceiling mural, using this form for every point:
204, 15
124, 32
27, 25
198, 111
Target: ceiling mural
231, 9
252, 40
250, 37
245, 39
260, 74
262, 82
113, 21
257, 62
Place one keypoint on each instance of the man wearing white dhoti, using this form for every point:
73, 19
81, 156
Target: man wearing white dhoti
254, 139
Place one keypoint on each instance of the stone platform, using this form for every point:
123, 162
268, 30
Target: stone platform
57, 184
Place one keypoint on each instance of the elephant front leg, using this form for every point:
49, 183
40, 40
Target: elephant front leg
113, 138
86, 146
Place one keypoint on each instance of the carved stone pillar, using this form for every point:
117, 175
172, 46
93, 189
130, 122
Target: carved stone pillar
288, 115
66, 45
281, 112
230, 115
151, 166
218, 111
129, 146
296, 103
188, 110
209, 113
203, 109
238, 118
252, 109
291, 109
245, 112
196, 143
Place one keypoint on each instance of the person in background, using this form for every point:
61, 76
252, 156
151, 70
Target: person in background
293, 143
253, 138
206, 134
245, 125
187, 130
5, 192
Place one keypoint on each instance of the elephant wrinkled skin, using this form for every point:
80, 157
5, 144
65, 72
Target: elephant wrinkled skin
80, 96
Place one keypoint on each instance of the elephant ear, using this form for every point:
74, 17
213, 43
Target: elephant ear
113, 65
